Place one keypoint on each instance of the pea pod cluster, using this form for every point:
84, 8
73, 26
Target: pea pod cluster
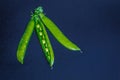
38, 23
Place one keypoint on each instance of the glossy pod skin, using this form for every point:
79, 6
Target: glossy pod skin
61, 38
44, 41
39, 22
24, 41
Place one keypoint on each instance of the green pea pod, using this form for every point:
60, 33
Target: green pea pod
58, 34
44, 40
39, 21
24, 41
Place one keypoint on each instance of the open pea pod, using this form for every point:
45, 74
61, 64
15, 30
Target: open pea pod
44, 41
22, 46
58, 34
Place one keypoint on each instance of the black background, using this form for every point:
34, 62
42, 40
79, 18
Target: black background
94, 25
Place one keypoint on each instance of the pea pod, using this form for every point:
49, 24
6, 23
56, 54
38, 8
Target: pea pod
24, 41
38, 22
44, 41
58, 34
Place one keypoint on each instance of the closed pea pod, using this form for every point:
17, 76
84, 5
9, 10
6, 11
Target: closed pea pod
24, 41
58, 34
44, 41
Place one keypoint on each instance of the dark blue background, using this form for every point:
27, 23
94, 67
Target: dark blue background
94, 25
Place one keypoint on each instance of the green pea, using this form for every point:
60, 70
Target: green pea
25, 40
44, 41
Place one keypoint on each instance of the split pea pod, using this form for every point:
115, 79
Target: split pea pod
44, 41
22, 46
